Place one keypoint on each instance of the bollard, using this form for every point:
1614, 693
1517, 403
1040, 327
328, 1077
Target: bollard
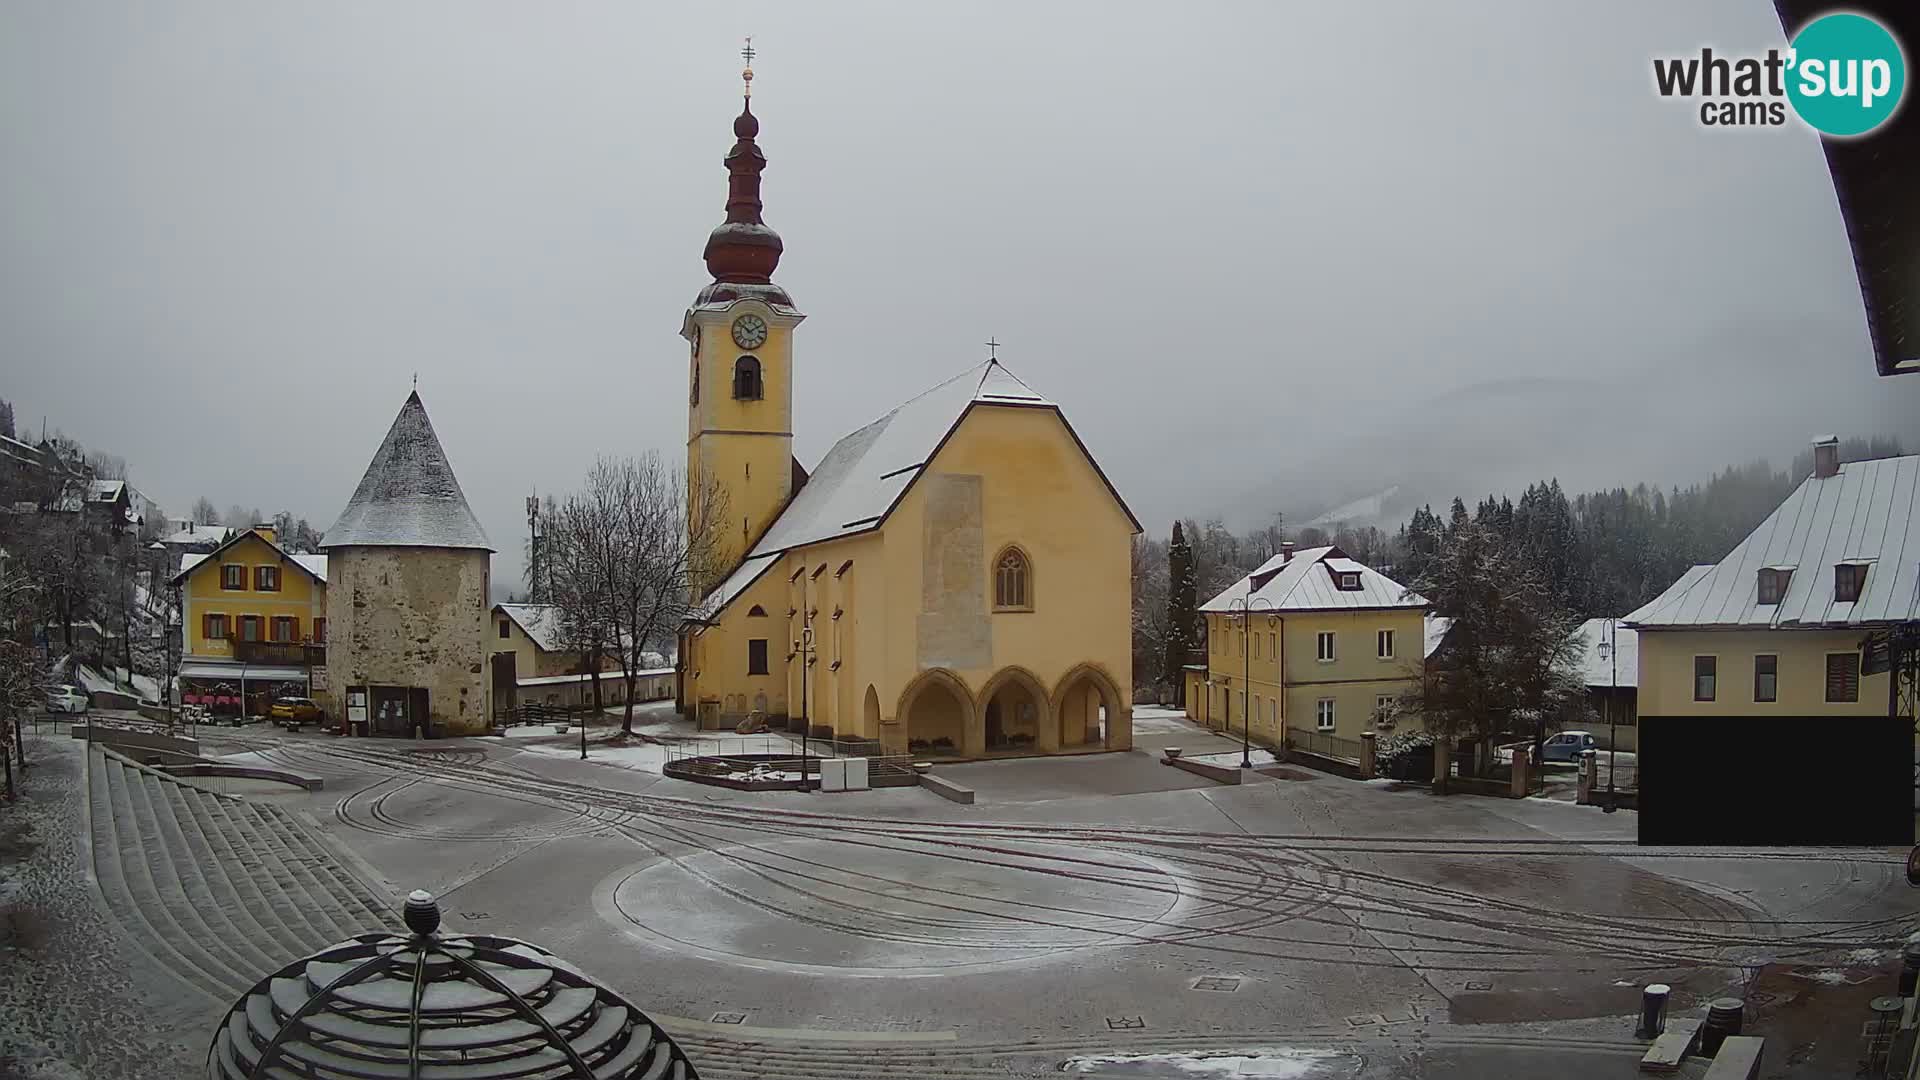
1909, 968
1723, 1019
1653, 1011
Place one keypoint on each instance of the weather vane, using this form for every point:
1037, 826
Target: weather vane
416, 380
746, 73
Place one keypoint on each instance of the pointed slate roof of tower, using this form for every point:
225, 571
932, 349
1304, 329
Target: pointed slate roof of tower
409, 497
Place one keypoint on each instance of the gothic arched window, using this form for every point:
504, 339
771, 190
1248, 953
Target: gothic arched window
746, 379
1012, 581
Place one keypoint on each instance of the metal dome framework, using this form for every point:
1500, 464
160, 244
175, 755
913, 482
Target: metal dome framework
428, 1007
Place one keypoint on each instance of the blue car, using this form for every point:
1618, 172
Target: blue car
1568, 745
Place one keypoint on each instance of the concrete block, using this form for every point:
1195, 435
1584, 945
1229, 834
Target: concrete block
947, 789
1671, 1048
1223, 774
1738, 1059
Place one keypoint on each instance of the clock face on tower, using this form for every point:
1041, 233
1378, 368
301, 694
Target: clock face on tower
749, 331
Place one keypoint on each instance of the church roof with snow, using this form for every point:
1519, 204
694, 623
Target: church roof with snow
408, 497
864, 476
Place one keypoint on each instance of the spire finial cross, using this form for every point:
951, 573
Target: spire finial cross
993, 349
746, 74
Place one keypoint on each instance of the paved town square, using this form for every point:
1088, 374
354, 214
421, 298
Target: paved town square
1101, 914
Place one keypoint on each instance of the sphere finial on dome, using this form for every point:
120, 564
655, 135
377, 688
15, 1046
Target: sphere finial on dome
422, 913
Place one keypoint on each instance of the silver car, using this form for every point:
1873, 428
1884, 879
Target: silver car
66, 699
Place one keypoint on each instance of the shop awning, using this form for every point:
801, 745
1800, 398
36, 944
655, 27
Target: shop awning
204, 670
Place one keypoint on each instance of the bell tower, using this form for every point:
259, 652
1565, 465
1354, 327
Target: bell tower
739, 333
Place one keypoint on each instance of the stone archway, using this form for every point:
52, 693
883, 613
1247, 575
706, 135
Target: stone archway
936, 711
1015, 714
1091, 711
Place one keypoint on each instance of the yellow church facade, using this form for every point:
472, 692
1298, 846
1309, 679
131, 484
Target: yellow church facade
952, 579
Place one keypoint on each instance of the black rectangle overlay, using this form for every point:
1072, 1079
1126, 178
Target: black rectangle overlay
1772, 781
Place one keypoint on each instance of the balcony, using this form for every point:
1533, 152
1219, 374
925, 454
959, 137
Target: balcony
280, 653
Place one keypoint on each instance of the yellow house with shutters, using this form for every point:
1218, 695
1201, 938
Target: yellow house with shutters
1310, 647
254, 623
1776, 628
951, 579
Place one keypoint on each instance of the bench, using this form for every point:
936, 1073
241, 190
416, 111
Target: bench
1738, 1059
1682, 1037
947, 789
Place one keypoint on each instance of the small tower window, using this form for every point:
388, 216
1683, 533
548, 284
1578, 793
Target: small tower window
1012, 582
746, 379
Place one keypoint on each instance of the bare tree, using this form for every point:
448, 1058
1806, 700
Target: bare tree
105, 466
204, 512
58, 553
628, 552
21, 669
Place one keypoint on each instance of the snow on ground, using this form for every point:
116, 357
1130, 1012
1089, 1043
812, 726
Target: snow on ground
1264, 1061
1232, 757
652, 757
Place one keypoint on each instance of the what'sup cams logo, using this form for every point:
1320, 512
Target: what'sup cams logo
1843, 74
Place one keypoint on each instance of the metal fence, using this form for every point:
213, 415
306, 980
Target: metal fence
1324, 744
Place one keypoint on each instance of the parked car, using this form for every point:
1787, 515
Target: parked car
1568, 745
291, 712
66, 699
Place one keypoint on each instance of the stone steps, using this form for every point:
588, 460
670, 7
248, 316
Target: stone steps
218, 891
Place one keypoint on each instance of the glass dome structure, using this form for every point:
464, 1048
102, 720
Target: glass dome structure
427, 1006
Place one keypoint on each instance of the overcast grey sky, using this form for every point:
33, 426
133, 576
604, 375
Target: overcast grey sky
1233, 240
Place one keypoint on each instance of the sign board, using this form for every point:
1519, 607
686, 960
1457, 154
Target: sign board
356, 706
318, 678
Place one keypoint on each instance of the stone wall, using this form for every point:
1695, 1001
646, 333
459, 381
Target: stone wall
401, 616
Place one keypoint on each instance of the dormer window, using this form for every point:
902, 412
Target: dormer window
1849, 581
1773, 583
1347, 582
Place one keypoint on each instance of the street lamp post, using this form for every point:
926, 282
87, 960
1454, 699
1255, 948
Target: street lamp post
1610, 649
1246, 609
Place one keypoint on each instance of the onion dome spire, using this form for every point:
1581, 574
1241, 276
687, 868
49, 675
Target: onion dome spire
744, 250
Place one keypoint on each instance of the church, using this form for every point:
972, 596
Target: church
953, 579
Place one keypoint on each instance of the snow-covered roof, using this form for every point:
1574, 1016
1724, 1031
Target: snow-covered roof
862, 476
1436, 633
408, 497
540, 622
315, 565
1599, 669
105, 490
1868, 512
1306, 583
736, 583
209, 535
